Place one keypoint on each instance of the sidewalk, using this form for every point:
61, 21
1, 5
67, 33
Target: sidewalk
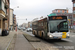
72, 31
22, 43
5, 40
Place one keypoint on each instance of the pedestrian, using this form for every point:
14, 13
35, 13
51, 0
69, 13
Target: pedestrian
16, 29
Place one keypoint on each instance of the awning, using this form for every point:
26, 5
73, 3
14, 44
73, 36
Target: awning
53, 14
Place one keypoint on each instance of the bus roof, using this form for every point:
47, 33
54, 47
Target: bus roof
39, 19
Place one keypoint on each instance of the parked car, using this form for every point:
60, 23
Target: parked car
24, 28
29, 29
19, 28
5, 32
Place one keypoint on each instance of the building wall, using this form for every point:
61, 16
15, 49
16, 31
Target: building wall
2, 13
14, 21
11, 17
73, 12
11, 20
0, 23
60, 11
6, 25
3, 6
7, 13
3, 24
28, 24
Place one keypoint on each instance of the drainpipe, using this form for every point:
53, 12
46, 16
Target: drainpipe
1, 24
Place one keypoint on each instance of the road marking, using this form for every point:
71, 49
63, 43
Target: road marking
68, 40
72, 35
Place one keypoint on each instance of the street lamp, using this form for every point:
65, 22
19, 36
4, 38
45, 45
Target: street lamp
15, 7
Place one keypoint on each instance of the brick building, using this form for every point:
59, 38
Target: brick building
60, 11
14, 21
73, 12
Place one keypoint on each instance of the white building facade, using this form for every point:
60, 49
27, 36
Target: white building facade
11, 19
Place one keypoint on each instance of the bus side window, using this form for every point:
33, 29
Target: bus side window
39, 23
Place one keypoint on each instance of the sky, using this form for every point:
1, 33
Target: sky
30, 9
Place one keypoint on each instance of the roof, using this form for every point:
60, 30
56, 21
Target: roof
61, 9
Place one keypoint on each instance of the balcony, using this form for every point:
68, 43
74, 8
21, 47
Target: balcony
2, 14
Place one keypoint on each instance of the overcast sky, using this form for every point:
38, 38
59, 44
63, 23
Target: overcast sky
31, 9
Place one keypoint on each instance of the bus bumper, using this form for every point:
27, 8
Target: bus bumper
58, 37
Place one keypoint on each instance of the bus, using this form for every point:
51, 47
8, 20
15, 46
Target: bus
51, 27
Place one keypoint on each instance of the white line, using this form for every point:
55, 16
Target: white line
68, 40
9, 43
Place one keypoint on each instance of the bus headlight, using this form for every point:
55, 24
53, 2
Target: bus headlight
68, 35
50, 36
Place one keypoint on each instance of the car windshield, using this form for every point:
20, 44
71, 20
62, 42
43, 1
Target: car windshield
58, 25
29, 28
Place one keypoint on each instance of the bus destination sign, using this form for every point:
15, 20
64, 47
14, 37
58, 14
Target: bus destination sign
57, 17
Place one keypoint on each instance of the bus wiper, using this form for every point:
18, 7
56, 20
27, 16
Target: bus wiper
54, 31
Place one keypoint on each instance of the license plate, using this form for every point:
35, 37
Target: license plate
55, 37
59, 37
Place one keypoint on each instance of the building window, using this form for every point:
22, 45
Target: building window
74, 5
60, 11
42, 23
56, 10
65, 11
74, 12
39, 24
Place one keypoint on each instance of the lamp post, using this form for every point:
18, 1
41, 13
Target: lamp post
15, 7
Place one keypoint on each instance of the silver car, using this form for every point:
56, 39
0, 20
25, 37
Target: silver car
29, 29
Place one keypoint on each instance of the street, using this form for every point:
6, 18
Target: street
37, 24
64, 44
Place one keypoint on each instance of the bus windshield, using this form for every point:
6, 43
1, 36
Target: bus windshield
58, 25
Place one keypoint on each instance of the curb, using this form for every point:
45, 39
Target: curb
31, 39
9, 43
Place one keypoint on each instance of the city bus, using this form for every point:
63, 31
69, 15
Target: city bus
51, 27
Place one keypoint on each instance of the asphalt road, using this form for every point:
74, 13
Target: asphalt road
64, 44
